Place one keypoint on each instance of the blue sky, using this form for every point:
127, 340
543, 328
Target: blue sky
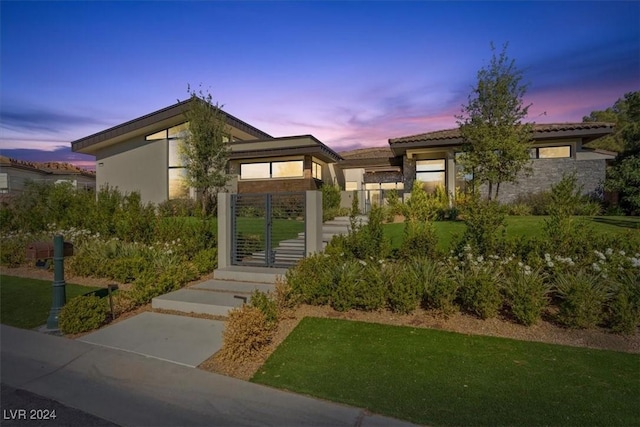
350, 73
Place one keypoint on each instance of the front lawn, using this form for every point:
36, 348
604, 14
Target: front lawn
444, 378
517, 226
25, 303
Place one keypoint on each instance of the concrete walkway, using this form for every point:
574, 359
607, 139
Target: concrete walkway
132, 390
179, 339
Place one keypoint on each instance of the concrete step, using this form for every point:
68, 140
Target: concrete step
199, 301
249, 274
234, 286
292, 243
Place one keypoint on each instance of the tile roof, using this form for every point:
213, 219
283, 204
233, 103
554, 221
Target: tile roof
367, 153
539, 129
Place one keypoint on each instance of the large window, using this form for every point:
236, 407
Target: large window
178, 188
559, 152
316, 170
431, 173
284, 169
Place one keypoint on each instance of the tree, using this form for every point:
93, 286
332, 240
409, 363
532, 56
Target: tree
624, 176
621, 115
495, 141
205, 150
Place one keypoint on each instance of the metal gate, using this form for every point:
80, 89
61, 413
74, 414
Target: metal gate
267, 230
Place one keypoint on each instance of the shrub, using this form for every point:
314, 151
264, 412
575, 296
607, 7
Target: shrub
623, 309
420, 239
479, 292
484, 219
441, 291
246, 334
178, 207
526, 294
313, 279
330, 196
285, 297
13, 251
83, 313
206, 260
588, 208
360, 285
422, 207
519, 209
564, 199
153, 283
266, 305
582, 298
125, 270
407, 283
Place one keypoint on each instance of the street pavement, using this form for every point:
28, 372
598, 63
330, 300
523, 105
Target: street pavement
129, 389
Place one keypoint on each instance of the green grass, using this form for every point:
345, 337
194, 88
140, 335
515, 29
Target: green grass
443, 378
527, 226
25, 303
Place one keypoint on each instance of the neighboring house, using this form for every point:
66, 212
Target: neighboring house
14, 174
142, 155
556, 149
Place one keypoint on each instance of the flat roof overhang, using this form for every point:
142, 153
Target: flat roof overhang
285, 146
164, 118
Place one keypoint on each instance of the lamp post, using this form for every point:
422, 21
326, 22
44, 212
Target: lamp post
59, 286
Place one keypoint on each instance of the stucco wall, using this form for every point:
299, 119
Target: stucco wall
135, 165
547, 172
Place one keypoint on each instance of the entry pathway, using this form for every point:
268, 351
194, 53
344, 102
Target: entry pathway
132, 390
180, 339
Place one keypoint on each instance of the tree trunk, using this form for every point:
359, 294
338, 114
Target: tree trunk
490, 190
497, 190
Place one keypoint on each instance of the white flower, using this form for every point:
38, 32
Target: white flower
547, 257
623, 253
550, 264
595, 267
635, 262
362, 262
600, 255
480, 258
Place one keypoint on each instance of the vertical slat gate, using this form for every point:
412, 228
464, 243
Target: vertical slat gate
267, 229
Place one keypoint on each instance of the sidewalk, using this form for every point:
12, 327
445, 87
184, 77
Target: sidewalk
132, 390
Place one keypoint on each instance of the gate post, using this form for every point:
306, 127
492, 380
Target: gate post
313, 223
224, 230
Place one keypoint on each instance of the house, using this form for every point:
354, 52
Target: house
142, 155
431, 159
14, 174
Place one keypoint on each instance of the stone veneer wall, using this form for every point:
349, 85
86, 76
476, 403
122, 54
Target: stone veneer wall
382, 177
547, 172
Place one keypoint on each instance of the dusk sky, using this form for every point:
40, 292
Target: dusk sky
353, 74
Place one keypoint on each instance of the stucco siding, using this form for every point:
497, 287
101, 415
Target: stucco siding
135, 165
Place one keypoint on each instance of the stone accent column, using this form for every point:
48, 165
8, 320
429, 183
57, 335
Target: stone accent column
313, 223
224, 230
